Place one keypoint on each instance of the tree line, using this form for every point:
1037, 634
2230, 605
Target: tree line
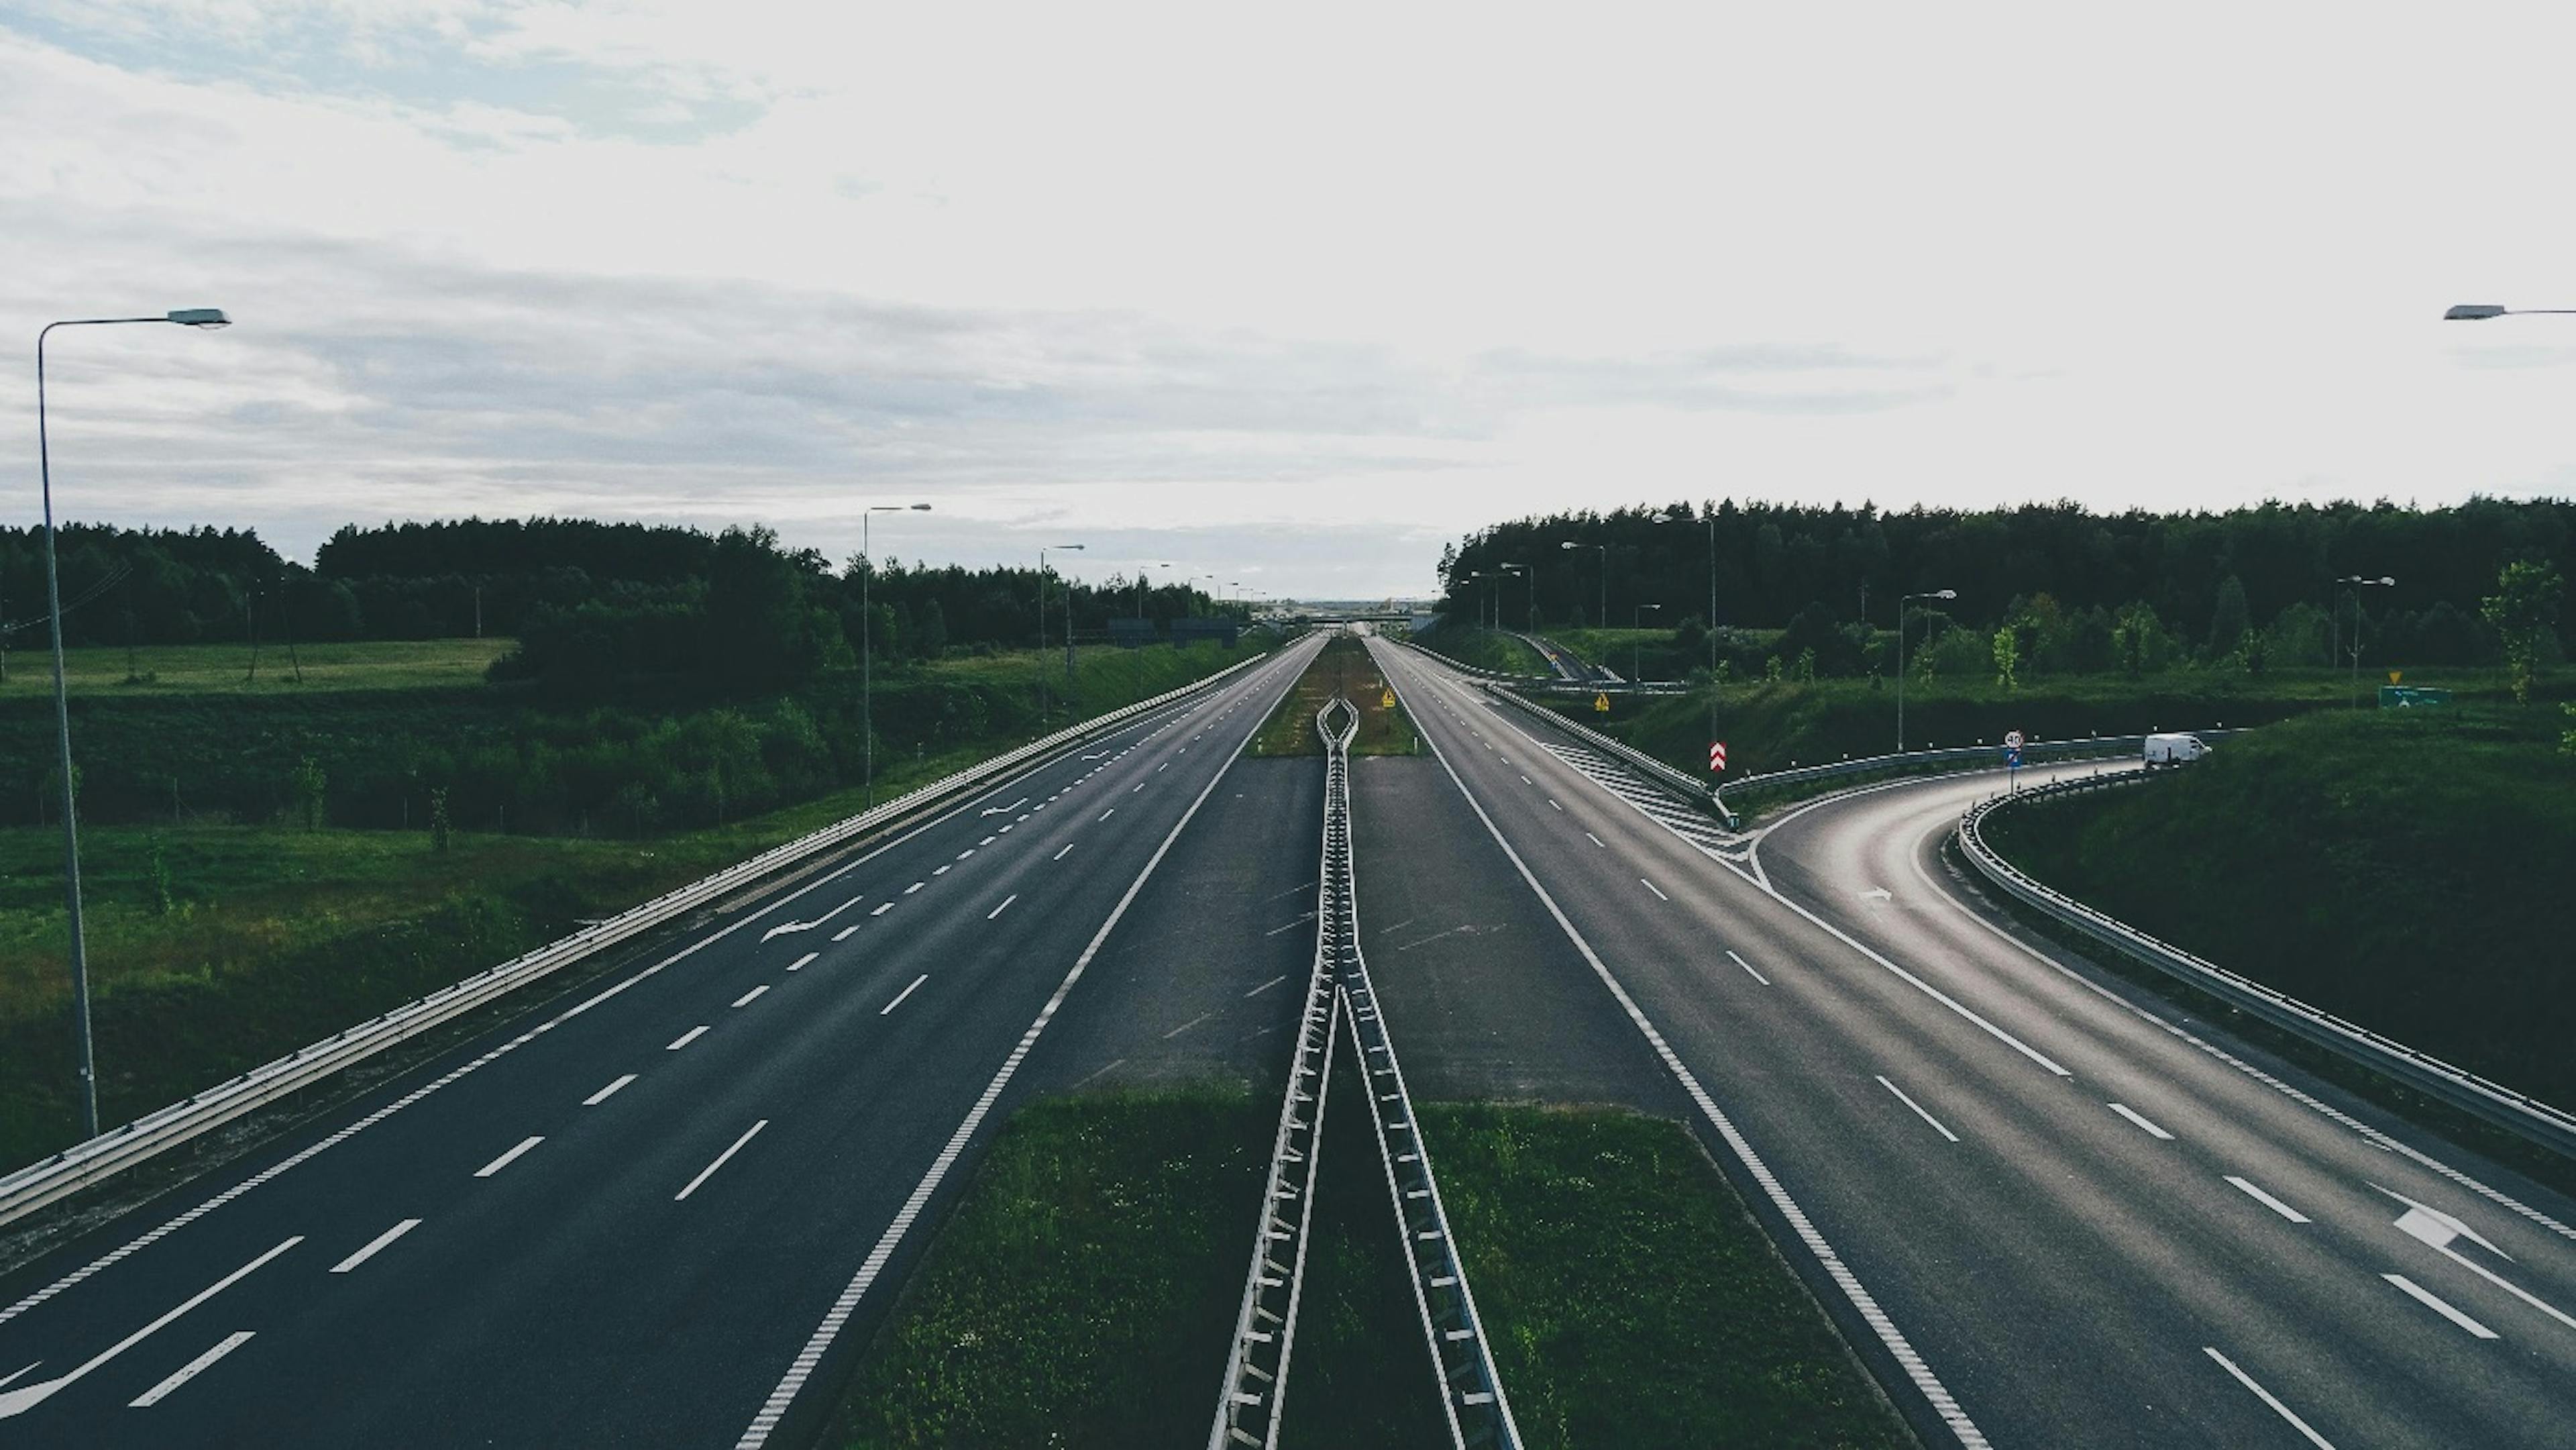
2076, 590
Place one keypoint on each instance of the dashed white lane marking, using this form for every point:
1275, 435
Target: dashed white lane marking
709, 1171
1595, 840
1006, 830
2425, 1297
943, 868
504, 1161
1166, 765
969, 851
882, 910
1525, 780
1005, 906
988, 840
684, 1039
1104, 815
1186, 1026
27, 1397
2267, 1200
1551, 801
844, 933
189, 1371
2265, 1396
1140, 785
1917, 1107
604, 1094
377, 1244
1060, 855
2133, 1116
1096, 1072
1748, 967
1266, 986
1650, 886
916, 886
906, 992
1292, 926
747, 998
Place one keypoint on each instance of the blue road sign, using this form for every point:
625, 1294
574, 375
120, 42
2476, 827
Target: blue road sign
2012, 758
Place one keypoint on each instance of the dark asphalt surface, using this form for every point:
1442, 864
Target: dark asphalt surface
2065, 1273
723, 1139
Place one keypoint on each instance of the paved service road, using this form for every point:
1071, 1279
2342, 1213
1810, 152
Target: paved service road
640, 1220
2051, 1211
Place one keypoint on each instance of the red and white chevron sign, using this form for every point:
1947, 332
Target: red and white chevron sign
1717, 755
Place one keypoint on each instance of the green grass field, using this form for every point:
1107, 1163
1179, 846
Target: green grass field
1486, 649
224, 669
1343, 665
2405, 870
1082, 1293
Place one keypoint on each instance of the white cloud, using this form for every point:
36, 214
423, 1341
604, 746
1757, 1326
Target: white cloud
1405, 270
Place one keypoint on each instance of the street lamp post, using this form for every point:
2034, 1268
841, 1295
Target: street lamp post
200, 317
1636, 647
1068, 631
1712, 584
2356, 584
1604, 616
1529, 576
1903, 600
867, 649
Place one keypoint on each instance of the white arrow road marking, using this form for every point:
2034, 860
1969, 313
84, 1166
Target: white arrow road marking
19, 1401
2436, 1229
1878, 893
2265, 1396
191, 1370
785, 927
2425, 1297
1004, 810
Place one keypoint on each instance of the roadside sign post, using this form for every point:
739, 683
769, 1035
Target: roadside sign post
2012, 758
1717, 756
1601, 703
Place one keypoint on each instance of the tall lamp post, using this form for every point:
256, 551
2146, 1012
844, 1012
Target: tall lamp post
1604, 616
867, 648
2355, 583
1068, 632
1636, 647
1712, 582
1529, 576
1140, 588
200, 317
1903, 600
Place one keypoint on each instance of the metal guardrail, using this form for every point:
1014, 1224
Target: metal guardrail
2516, 1112
1652, 769
1963, 757
1255, 1393
85, 1164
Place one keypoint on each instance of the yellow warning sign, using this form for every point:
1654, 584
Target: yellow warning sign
2394, 675
1386, 701
1601, 702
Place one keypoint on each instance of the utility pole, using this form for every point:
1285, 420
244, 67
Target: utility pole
1901, 601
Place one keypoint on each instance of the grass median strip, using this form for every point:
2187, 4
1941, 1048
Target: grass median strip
1081, 1293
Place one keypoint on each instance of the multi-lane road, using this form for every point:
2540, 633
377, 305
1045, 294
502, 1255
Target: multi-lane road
652, 1215
2049, 1209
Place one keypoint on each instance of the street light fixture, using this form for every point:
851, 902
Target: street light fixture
2481, 311
1712, 584
1903, 600
206, 318
1604, 616
1529, 576
867, 650
2357, 583
1068, 631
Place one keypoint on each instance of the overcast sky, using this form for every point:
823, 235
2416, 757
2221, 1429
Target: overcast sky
1290, 294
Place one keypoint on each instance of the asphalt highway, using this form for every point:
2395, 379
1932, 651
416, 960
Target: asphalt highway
659, 1216
2049, 1210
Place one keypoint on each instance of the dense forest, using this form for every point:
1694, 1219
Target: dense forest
2079, 590
590, 601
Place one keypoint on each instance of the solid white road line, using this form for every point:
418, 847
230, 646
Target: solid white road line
802, 1367
191, 1370
709, 1170
845, 933
1266, 986
497, 1164
2424, 1296
1060, 855
2260, 1393
797, 965
1292, 926
27, 1397
1917, 1107
2133, 1116
684, 1039
603, 1095
1005, 906
1186, 1026
2267, 1200
906, 992
1748, 966
1918, 1373
1650, 886
377, 1244
747, 998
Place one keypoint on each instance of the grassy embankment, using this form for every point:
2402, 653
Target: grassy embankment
1343, 665
1485, 649
225, 669
1082, 1293
215, 947
2405, 870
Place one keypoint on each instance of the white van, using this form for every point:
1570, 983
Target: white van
2175, 749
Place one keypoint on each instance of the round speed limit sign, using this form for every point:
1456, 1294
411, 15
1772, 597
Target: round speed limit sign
2012, 740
